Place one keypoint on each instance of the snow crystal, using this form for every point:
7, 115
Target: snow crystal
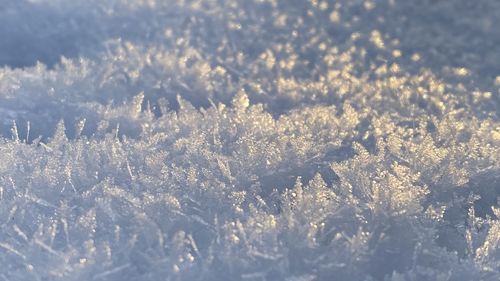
249, 140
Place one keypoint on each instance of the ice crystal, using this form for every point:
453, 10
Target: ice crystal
249, 140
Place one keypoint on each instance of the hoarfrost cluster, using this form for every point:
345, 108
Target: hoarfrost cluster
249, 140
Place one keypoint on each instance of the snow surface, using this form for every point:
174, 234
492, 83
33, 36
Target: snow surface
249, 140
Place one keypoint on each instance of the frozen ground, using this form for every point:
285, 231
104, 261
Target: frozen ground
249, 140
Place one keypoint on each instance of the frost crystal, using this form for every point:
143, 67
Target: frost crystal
249, 140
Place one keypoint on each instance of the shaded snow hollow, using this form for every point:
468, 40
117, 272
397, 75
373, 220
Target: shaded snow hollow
249, 140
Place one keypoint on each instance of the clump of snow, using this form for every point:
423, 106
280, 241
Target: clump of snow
249, 140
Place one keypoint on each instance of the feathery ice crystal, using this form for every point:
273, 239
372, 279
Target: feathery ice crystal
249, 140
